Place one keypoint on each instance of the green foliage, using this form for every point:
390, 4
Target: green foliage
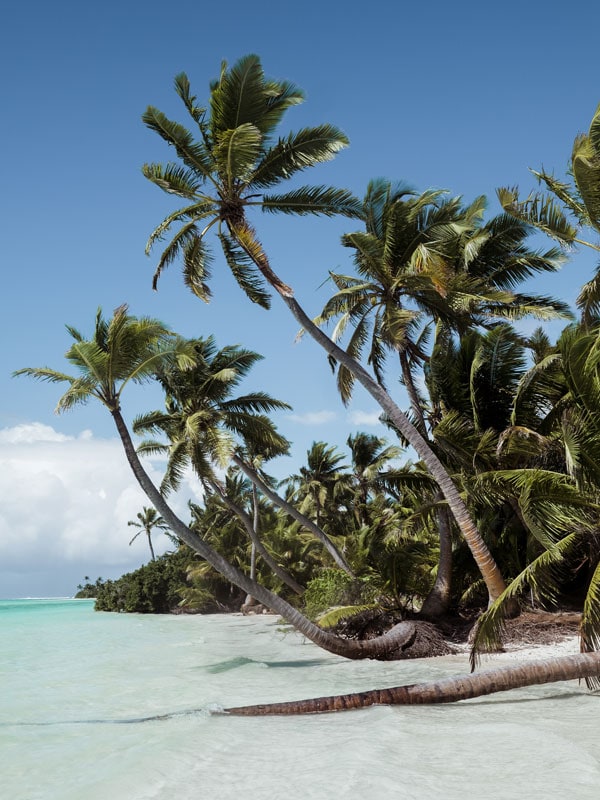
225, 171
333, 587
88, 590
154, 588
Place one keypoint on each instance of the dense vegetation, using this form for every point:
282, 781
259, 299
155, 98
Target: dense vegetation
497, 507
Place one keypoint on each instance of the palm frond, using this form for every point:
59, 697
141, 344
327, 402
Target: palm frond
239, 96
331, 617
586, 171
539, 577
173, 179
590, 622
236, 152
243, 268
184, 238
182, 87
193, 154
298, 151
540, 211
314, 200
564, 192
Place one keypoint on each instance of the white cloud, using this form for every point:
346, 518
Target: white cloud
65, 506
313, 417
367, 418
31, 432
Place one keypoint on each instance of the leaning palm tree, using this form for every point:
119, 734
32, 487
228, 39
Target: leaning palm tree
428, 262
207, 427
147, 521
125, 349
446, 690
222, 175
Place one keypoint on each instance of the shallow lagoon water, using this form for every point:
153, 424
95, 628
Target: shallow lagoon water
111, 705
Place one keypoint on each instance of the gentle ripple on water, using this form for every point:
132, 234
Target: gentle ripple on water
105, 705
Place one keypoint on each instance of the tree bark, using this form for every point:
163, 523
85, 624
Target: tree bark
447, 690
250, 601
437, 602
389, 646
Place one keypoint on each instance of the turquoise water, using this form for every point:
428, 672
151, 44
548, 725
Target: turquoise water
116, 706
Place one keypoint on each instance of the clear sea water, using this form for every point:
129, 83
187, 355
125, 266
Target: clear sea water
117, 706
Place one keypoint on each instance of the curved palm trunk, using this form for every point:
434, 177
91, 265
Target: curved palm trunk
290, 509
487, 566
250, 601
255, 539
387, 647
438, 600
241, 230
448, 690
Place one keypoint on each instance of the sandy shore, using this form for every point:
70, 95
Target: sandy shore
514, 652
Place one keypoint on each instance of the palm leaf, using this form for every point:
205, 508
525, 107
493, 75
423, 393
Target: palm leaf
564, 192
331, 617
539, 577
196, 267
182, 87
590, 622
173, 179
586, 171
239, 96
183, 239
194, 155
540, 211
314, 200
300, 150
243, 268
236, 152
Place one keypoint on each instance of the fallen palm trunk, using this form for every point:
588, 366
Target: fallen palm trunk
448, 690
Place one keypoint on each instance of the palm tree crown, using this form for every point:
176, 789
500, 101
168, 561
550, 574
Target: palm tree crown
148, 520
203, 421
227, 169
121, 350
426, 259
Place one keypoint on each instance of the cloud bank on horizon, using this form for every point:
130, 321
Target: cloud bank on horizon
66, 502
65, 506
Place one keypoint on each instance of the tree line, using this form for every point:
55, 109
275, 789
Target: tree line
499, 502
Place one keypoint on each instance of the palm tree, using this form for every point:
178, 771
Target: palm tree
319, 484
226, 171
126, 349
424, 261
561, 506
148, 520
204, 425
446, 690
567, 208
236, 158
371, 474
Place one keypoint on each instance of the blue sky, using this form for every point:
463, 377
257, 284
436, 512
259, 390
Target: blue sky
463, 96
